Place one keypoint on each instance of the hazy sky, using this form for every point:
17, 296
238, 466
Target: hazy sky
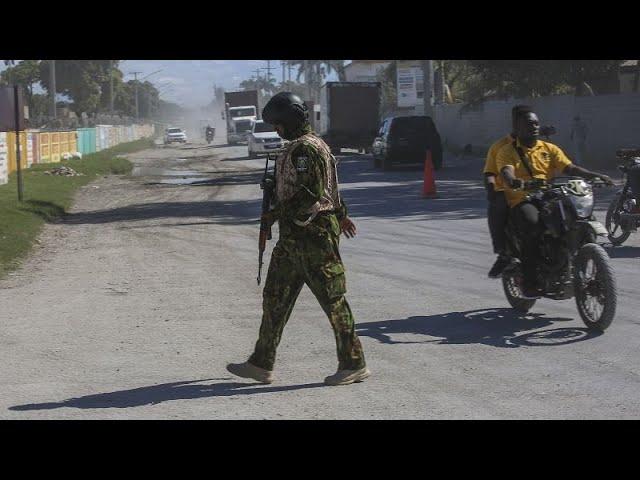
190, 82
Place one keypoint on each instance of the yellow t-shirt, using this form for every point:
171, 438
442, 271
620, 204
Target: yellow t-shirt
545, 159
490, 164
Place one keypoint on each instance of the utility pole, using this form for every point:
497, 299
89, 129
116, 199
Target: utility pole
135, 76
135, 79
268, 69
427, 75
283, 64
111, 87
18, 115
307, 78
439, 85
289, 66
52, 84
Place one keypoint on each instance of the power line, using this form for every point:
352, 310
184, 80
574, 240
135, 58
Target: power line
268, 69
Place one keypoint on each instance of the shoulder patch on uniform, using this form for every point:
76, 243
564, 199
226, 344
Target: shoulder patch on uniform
302, 163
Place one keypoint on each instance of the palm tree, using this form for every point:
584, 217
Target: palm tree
335, 66
315, 71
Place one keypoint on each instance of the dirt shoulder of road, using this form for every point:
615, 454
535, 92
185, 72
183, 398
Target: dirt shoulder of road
47, 197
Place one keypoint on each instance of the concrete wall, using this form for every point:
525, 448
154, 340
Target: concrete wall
613, 121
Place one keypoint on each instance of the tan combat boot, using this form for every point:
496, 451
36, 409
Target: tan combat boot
345, 377
247, 370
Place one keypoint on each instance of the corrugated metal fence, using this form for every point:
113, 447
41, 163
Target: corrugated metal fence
50, 147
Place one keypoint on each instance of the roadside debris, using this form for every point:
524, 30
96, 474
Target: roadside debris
64, 172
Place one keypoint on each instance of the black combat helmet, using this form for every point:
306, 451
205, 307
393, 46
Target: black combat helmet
286, 109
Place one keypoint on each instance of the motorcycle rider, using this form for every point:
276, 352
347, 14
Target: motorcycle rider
634, 183
527, 158
498, 211
210, 132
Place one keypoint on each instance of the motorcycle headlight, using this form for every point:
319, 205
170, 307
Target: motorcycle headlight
583, 204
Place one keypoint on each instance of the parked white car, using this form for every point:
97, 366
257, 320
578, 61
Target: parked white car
174, 135
263, 139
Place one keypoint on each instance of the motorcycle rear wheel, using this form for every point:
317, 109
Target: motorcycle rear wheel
595, 287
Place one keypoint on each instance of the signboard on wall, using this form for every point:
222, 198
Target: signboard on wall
410, 83
8, 111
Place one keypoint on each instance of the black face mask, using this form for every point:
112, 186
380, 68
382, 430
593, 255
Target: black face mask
291, 132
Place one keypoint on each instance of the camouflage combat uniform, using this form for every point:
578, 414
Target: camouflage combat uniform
307, 252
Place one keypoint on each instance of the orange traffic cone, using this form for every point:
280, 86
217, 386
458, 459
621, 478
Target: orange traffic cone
429, 189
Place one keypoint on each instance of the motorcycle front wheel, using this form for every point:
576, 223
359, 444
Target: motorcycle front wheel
612, 223
595, 287
512, 285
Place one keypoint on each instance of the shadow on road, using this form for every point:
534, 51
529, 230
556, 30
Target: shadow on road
188, 390
500, 327
231, 213
249, 178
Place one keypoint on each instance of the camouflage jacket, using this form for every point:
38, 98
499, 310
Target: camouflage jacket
304, 185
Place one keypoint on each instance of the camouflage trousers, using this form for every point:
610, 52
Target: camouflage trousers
315, 261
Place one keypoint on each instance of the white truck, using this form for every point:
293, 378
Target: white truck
241, 109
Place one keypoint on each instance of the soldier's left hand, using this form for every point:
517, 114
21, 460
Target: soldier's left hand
348, 227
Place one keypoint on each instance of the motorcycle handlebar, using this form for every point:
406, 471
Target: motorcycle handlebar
628, 152
540, 184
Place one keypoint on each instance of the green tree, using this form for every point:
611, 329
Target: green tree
387, 79
39, 105
26, 74
482, 79
105, 86
315, 72
80, 80
262, 84
125, 99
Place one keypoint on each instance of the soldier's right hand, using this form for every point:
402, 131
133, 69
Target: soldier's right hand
348, 227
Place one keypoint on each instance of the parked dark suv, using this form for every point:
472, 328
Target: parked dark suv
405, 140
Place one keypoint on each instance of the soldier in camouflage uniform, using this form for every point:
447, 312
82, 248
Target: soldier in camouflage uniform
311, 216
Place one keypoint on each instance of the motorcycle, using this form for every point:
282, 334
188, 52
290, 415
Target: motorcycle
620, 220
572, 263
209, 136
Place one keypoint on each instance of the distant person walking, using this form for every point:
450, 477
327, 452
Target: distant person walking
579, 132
